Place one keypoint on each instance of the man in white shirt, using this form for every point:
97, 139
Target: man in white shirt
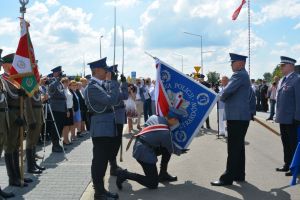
221, 108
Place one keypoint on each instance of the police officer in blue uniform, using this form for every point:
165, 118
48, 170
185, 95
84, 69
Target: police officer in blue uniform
121, 119
236, 97
288, 110
58, 103
100, 101
151, 144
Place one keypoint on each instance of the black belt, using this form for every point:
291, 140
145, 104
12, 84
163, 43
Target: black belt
3, 109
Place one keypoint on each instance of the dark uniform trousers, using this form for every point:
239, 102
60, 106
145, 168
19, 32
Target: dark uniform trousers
235, 168
289, 141
103, 151
150, 180
59, 118
117, 140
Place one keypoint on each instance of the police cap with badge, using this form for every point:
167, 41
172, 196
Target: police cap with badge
236, 57
287, 60
99, 64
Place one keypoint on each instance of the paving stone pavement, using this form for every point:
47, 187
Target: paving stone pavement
62, 180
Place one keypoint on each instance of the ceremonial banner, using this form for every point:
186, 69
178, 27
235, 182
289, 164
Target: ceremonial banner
174, 89
24, 72
238, 10
295, 165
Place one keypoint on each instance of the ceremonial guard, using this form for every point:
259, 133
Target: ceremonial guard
100, 104
121, 119
58, 103
4, 124
236, 97
154, 140
15, 122
35, 123
288, 110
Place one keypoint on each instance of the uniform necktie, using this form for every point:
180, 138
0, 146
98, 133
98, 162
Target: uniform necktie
284, 79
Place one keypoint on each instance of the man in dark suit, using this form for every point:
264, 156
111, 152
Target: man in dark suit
288, 110
236, 96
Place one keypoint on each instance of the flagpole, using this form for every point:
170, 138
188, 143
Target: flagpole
22, 11
123, 50
249, 36
115, 30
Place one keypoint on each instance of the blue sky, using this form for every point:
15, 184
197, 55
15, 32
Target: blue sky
67, 32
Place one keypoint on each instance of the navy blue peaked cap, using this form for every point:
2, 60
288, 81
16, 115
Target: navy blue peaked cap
237, 57
287, 60
99, 64
56, 69
113, 68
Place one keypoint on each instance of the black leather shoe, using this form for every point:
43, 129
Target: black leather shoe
17, 184
289, 173
6, 195
57, 149
242, 179
283, 169
121, 177
166, 177
220, 183
28, 180
39, 167
112, 195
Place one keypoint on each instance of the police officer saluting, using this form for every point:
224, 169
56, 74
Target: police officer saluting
121, 119
288, 110
100, 104
154, 140
58, 104
236, 97
4, 124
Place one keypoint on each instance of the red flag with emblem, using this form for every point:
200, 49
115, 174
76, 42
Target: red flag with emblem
24, 71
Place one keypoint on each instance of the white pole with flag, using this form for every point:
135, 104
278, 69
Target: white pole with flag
115, 30
249, 36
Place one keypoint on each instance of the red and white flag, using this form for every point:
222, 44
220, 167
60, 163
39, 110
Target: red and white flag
24, 69
238, 10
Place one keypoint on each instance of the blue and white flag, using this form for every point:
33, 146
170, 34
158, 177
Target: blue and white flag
175, 89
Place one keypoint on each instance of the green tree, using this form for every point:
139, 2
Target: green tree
77, 78
213, 77
268, 77
277, 72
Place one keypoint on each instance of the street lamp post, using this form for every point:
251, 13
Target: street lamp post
101, 36
181, 60
201, 48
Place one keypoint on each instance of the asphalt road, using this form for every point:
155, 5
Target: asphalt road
206, 161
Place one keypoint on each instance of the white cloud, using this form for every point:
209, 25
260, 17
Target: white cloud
297, 26
122, 3
52, 2
146, 17
278, 9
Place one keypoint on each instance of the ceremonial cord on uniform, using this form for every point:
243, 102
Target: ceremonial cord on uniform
88, 100
11, 94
